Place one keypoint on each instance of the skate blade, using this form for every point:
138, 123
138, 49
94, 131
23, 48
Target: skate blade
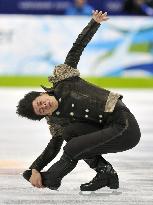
53, 188
87, 193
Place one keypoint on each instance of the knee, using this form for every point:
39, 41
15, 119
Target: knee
134, 141
137, 137
69, 147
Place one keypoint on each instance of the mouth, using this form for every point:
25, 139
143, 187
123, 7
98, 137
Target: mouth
50, 104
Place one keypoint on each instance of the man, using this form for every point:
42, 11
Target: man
93, 121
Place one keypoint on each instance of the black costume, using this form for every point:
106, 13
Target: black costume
92, 120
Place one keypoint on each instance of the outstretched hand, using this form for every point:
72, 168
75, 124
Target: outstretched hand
99, 16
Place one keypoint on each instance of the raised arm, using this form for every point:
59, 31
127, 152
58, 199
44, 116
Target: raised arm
83, 38
69, 68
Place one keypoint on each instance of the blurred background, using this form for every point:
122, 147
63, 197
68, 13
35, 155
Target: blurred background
35, 35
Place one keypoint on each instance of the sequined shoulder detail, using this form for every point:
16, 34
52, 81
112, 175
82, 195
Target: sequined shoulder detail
111, 101
62, 72
56, 125
55, 129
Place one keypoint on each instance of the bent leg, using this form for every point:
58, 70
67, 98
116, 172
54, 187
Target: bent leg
118, 136
77, 129
106, 175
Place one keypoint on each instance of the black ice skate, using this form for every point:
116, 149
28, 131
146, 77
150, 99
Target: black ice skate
106, 176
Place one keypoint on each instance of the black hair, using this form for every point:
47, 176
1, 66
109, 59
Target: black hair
25, 108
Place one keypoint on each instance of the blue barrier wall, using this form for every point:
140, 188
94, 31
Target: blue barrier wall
55, 7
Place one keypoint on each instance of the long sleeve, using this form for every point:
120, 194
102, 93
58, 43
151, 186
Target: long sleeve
53, 146
81, 42
69, 68
48, 154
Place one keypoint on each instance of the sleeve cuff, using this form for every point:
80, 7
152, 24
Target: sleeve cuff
94, 22
35, 167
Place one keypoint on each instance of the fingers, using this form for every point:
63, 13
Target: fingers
40, 184
37, 184
99, 16
105, 16
95, 12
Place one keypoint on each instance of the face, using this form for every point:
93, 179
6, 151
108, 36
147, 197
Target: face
44, 104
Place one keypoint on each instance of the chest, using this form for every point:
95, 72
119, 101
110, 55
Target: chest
79, 106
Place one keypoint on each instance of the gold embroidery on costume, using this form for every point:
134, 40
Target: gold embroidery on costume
111, 101
62, 72
55, 129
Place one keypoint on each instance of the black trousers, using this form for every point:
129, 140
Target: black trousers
119, 132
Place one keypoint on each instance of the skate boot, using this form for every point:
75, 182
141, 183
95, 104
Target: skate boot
53, 176
106, 175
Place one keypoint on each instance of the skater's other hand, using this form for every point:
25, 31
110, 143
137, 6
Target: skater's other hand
99, 16
36, 180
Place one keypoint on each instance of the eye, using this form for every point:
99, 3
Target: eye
41, 110
39, 103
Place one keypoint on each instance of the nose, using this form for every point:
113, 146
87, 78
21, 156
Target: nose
44, 105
